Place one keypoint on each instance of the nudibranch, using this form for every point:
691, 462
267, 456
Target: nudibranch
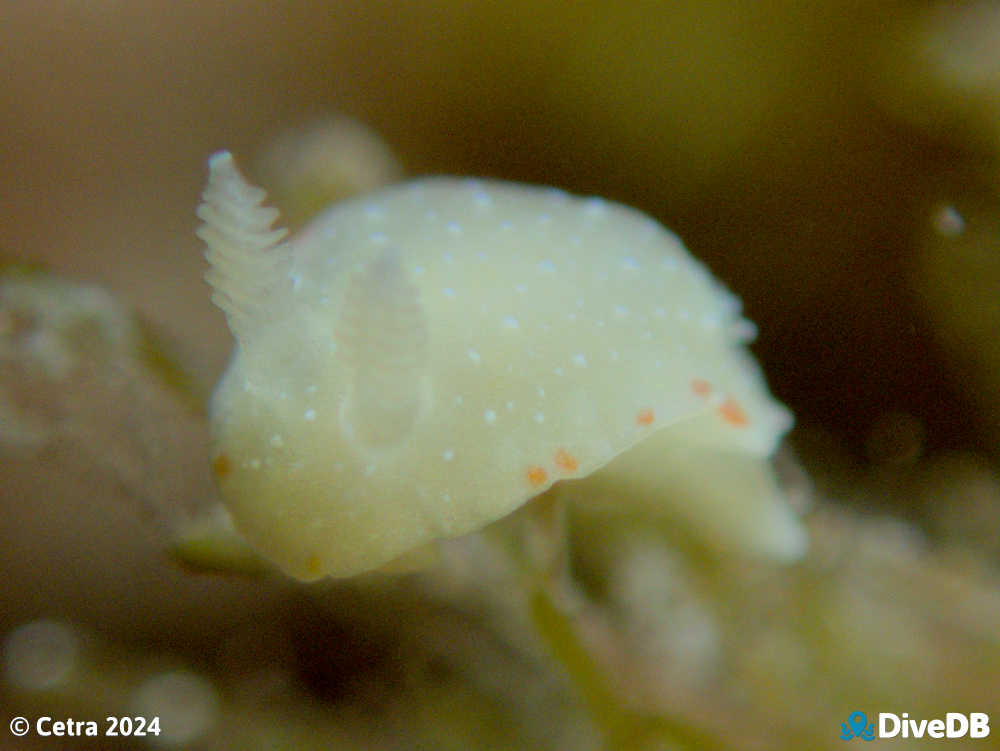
421, 361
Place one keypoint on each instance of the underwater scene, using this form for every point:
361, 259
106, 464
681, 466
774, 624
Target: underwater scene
474, 375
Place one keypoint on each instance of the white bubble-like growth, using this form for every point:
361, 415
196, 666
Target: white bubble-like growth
40, 655
186, 703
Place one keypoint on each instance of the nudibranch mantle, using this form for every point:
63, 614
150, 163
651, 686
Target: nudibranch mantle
421, 361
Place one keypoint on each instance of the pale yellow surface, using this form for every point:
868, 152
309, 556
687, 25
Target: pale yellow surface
421, 361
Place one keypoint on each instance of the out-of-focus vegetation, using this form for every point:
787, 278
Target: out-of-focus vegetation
835, 162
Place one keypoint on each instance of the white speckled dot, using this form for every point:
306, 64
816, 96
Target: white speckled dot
539, 417
732, 305
510, 406
459, 400
473, 355
311, 388
454, 228
378, 238
744, 330
546, 266
621, 310
310, 415
948, 222
448, 292
510, 322
448, 455
521, 288
630, 264
489, 416
579, 360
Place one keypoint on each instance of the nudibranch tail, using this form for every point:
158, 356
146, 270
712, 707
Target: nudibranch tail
247, 261
382, 334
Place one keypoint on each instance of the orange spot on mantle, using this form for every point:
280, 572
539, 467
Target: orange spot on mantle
645, 417
731, 411
565, 460
537, 476
700, 387
222, 465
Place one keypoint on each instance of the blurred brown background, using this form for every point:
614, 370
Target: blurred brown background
834, 161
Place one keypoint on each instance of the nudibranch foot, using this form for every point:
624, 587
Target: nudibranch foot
726, 498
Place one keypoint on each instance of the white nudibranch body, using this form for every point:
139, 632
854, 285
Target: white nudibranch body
423, 360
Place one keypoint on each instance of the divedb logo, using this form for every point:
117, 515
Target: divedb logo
953, 725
